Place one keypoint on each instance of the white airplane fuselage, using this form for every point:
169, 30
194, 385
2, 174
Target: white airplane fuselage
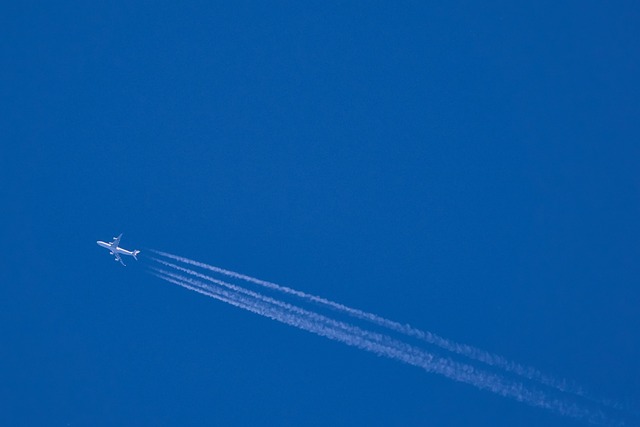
117, 250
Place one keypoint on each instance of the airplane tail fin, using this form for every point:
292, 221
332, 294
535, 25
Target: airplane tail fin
135, 253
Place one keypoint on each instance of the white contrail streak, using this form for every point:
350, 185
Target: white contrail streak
269, 300
431, 338
377, 343
255, 295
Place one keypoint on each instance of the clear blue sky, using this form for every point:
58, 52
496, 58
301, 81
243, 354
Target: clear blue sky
470, 169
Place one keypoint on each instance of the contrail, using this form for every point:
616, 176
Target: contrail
265, 299
269, 300
431, 338
384, 346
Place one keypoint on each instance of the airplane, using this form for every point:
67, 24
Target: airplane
117, 251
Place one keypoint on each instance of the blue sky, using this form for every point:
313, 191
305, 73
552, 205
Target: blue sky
469, 169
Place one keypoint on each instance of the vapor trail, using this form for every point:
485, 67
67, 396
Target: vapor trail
385, 346
431, 338
269, 300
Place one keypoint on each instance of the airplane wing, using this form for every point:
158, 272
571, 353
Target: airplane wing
116, 241
119, 258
